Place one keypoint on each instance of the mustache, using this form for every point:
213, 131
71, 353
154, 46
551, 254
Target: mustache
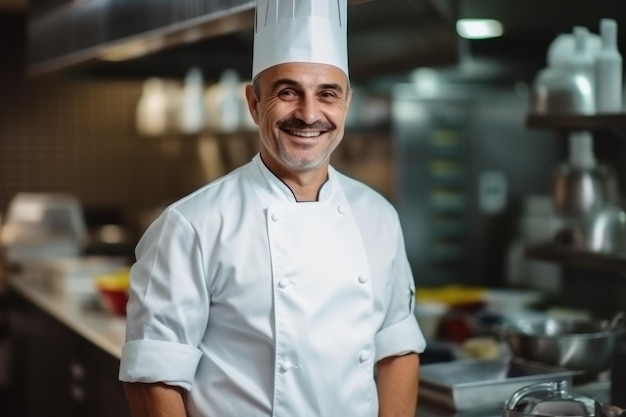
297, 124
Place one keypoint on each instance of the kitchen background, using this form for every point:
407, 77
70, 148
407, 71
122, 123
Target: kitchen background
72, 123
438, 125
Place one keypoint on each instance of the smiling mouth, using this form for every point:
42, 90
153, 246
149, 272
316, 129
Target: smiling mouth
305, 133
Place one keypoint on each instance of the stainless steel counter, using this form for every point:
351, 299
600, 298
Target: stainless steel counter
95, 325
108, 332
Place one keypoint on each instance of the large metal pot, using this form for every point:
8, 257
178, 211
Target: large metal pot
582, 345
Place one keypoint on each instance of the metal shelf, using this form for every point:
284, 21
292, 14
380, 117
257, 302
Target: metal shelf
614, 263
564, 255
605, 121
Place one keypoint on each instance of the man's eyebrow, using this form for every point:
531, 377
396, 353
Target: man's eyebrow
291, 83
332, 86
284, 82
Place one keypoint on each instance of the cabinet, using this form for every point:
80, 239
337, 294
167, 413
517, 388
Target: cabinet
56, 372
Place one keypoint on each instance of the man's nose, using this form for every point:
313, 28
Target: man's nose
308, 109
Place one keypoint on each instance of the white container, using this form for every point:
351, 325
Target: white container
608, 70
192, 114
563, 46
429, 315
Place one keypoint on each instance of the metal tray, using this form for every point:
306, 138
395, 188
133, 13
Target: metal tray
472, 383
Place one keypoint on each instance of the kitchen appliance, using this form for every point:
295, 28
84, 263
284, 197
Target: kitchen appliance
579, 190
468, 385
555, 398
584, 345
586, 197
462, 157
581, 185
559, 91
43, 226
605, 231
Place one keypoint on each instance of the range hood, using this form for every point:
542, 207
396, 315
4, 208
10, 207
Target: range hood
140, 38
76, 34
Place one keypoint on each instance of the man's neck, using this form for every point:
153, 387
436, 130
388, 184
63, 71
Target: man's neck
305, 185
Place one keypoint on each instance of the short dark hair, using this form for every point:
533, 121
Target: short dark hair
256, 87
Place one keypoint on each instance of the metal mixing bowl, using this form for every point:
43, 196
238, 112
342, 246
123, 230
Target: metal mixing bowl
582, 345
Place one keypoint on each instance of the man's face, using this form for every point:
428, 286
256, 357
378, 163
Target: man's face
301, 112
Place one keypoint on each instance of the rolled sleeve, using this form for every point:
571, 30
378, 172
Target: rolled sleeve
400, 332
400, 338
168, 305
157, 361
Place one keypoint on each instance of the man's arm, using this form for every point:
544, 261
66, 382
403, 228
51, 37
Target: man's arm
397, 382
155, 400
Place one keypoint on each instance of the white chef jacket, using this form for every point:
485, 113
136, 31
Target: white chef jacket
261, 306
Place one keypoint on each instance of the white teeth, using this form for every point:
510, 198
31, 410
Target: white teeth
307, 134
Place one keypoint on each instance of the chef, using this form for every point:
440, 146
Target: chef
283, 288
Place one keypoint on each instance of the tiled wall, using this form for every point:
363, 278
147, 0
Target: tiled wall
79, 137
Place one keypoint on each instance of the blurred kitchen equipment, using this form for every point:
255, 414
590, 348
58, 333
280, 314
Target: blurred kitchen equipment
564, 46
474, 384
578, 344
568, 87
192, 112
113, 289
580, 185
558, 91
225, 104
586, 195
42, 226
75, 276
537, 224
157, 108
453, 296
429, 315
438, 145
605, 232
511, 302
554, 398
608, 70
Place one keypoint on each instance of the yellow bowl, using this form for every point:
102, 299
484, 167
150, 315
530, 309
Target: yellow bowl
117, 280
452, 295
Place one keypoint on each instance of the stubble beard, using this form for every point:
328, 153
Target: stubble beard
287, 152
301, 163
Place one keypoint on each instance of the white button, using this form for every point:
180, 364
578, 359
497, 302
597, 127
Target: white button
341, 209
283, 283
363, 279
275, 217
285, 366
364, 356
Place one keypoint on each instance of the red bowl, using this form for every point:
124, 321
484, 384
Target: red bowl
114, 301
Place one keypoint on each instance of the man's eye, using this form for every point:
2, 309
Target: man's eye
328, 95
287, 93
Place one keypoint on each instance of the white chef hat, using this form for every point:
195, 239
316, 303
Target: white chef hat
300, 31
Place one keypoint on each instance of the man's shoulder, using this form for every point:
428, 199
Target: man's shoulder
223, 191
363, 196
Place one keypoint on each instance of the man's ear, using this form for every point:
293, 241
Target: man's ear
253, 103
349, 97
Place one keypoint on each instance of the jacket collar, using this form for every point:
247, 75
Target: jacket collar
280, 191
